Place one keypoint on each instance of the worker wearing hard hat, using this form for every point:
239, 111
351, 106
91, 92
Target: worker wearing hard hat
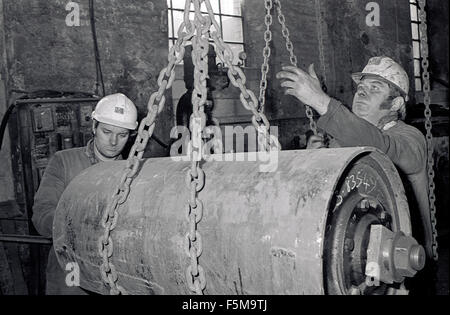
376, 119
114, 118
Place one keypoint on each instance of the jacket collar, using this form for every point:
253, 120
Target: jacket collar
388, 122
89, 150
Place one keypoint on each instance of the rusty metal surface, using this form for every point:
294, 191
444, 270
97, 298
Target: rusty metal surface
263, 233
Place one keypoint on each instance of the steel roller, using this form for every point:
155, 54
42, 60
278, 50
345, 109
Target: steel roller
317, 225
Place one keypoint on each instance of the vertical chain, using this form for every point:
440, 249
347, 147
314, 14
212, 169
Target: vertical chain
320, 23
147, 126
237, 77
266, 54
286, 34
428, 123
195, 180
293, 59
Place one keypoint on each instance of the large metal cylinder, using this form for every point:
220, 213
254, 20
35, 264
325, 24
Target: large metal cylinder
298, 230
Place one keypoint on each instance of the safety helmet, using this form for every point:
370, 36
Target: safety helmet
117, 110
387, 69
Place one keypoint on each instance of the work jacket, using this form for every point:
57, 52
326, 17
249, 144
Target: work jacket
403, 144
61, 169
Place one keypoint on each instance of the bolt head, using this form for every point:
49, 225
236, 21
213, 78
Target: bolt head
349, 244
385, 217
408, 256
373, 204
417, 257
364, 205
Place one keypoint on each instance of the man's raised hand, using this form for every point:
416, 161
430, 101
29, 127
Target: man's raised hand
305, 87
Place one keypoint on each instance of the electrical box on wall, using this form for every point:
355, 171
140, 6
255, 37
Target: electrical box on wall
42, 119
41, 125
46, 126
85, 115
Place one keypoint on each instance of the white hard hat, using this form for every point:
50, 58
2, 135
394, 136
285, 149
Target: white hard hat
117, 110
387, 69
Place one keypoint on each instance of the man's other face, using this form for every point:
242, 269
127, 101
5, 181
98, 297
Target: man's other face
110, 140
369, 101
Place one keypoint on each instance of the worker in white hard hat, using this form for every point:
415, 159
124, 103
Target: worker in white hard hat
114, 119
376, 120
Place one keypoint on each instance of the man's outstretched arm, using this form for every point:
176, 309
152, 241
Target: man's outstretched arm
405, 147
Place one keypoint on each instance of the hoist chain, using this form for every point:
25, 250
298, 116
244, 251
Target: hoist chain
319, 23
268, 20
293, 59
237, 78
428, 123
286, 33
195, 179
147, 126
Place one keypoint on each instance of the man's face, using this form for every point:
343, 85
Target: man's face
370, 99
110, 140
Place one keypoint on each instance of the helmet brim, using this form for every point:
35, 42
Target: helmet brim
105, 120
358, 76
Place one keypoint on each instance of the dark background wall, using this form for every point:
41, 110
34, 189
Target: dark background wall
439, 40
348, 44
348, 41
38, 51
44, 53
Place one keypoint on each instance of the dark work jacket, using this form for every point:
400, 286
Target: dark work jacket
403, 144
61, 169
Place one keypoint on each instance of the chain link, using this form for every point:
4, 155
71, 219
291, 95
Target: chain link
268, 20
147, 126
293, 59
195, 180
428, 123
286, 34
237, 77
320, 23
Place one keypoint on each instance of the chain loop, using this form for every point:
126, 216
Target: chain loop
238, 80
248, 98
293, 59
155, 106
286, 34
268, 4
195, 176
320, 23
428, 124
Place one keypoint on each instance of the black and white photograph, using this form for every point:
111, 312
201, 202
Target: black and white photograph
224, 152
